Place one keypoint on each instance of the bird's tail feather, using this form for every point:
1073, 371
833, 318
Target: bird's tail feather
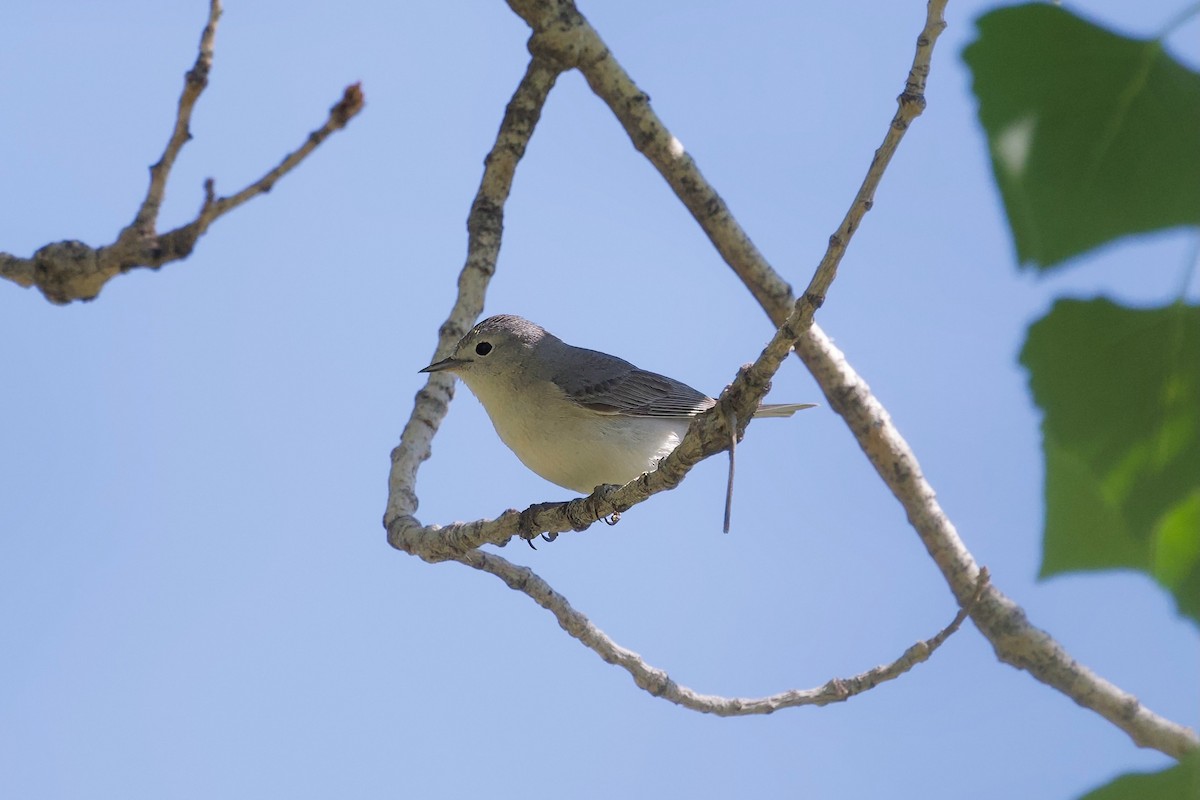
781, 409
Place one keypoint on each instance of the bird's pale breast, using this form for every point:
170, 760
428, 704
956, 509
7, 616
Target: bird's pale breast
572, 446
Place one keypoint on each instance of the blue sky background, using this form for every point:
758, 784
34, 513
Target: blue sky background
196, 597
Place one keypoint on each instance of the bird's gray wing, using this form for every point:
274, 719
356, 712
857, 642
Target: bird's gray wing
609, 385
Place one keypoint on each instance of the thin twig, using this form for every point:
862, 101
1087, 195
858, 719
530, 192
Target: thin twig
341, 113
658, 683
195, 81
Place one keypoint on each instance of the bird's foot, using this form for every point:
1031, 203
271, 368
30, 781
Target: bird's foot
527, 527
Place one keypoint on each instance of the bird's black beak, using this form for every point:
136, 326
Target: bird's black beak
443, 365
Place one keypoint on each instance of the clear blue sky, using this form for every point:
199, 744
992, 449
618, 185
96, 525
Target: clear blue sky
196, 598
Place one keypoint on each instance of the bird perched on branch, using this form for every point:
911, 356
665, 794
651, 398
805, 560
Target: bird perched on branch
579, 418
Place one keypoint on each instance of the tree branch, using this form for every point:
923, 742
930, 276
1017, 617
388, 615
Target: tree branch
658, 683
485, 225
1014, 638
195, 81
72, 270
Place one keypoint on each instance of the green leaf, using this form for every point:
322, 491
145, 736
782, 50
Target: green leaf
1120, 392
1177, 556
1180, 782
1093, 136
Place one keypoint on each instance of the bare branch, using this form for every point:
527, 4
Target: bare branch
1014, 638
484, 227
178, 243
341, 113
195, 81
560, 31
72, 270
658, 683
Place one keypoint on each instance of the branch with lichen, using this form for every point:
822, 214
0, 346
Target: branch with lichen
72, 270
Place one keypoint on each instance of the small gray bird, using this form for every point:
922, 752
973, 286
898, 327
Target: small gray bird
579, 418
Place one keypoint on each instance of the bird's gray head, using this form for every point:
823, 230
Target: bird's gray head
504, 345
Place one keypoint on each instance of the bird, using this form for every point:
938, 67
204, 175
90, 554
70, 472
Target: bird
578, 418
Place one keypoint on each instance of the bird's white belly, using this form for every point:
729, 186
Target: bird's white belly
579, 449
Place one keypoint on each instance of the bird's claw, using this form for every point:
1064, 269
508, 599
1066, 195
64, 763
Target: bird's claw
526, 527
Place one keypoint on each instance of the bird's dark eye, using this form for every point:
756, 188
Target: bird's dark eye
483, 348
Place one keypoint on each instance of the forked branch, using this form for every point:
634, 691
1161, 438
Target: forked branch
72, 270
